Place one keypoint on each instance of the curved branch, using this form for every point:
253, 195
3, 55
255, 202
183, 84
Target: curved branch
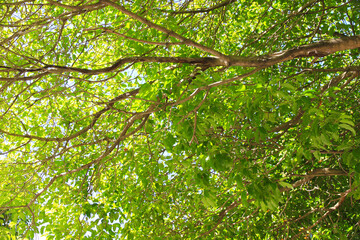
322, 48
48, 69
321, 172
336, 206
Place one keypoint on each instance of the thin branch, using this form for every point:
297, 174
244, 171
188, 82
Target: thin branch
194, 131
96, 117
306, 178
333, 82
169, 32
123, 135
139, 40
195, 109
336, 206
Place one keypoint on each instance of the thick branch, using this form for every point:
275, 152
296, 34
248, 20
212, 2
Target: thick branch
322, 172
322, 48
205, 61
319, 49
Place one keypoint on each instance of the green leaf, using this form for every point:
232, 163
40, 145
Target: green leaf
357, 168
317, 155
169, 141
356, 153
348, 121
286, 185
348, 127
244, 198
145, 88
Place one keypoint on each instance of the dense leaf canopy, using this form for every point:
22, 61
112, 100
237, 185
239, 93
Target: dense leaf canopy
180, 119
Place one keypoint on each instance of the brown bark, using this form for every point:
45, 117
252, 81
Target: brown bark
319, 49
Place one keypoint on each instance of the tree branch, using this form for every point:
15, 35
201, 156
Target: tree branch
336, 206
322, 48
319, 49
97, 115
169, 32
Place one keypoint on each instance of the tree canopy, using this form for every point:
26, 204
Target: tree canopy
180, 119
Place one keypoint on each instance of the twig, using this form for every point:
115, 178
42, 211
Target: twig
196, 108
194, 132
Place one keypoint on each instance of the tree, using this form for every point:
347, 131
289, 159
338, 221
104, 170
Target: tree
187, 119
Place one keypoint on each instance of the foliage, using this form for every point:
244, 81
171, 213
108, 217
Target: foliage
171, 119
